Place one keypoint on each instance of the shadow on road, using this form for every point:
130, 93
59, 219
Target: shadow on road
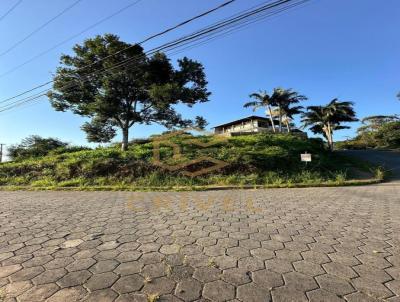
390, 160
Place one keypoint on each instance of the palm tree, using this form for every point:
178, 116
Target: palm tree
284, 98
327, 119
262, 100
289, 113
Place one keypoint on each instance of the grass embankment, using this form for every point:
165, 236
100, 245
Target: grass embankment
253, 161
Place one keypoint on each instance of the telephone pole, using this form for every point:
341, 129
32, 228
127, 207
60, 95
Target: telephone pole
1, 152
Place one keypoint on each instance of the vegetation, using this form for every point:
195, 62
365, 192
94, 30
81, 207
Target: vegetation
380, 131
262, 159
327, 119
36, 146
279, 104
142, 90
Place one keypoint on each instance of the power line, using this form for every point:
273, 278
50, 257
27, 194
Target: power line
10, 10
15, 45
196, 36
70, 38
131, 46
186, 22
235, 28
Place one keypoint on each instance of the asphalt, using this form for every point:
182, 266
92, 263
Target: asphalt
390, 160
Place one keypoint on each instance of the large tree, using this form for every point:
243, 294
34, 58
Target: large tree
327, 119
117, 85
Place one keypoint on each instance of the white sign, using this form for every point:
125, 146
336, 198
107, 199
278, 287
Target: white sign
305, 157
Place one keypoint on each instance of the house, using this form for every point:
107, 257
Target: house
249, 125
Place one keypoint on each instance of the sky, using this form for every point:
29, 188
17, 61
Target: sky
346, 49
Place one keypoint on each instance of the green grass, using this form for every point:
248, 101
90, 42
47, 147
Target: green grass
256, 160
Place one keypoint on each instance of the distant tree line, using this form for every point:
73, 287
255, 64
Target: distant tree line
37, 146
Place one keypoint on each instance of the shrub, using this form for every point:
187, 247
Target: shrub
34, 146
252, 159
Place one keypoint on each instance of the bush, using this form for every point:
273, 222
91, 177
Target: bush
252, 159
34, 146
386, 135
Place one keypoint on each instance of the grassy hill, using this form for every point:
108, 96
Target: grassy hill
252, 160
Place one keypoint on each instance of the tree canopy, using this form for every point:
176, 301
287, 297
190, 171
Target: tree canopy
116, 85
34, 146
279, 103
327, 119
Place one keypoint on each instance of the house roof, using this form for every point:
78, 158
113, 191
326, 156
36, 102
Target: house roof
245, 119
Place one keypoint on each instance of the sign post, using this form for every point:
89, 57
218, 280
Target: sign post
306, 157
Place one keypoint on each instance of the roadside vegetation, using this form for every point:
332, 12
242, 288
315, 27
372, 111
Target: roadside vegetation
262, 159
378, 132
147, 91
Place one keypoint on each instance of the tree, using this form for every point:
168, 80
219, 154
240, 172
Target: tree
262, 100
200, 122
34, 146
327, 119
374, 122
117, 86
388, 135
284, 98
278, 104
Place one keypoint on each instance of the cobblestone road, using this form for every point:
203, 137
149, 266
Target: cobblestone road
316, 244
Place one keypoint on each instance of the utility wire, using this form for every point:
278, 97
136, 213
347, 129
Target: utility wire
133, 45
15, 45
197, 36
70, 38
10, 10
174, 44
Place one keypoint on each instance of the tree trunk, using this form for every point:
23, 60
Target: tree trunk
288, 126
329, 136
271, 118
280, 119
125, 139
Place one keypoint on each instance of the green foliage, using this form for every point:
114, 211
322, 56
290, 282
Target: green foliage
281, 102
329, 118
380, 173
34, 146
382, 136
253, 160
142, 90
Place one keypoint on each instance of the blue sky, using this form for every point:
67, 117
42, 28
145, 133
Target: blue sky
343, 48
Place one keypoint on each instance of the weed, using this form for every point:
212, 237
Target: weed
153, 297
254, 160
379, 173
211, 262
147, 279
168, 269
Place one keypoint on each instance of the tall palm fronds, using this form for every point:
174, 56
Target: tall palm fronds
327, 119
262, 100
279, 104
283, 99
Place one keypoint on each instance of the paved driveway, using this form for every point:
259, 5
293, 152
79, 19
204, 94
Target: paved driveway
317, 244
388, 159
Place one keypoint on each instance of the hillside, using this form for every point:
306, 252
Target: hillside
251, 160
